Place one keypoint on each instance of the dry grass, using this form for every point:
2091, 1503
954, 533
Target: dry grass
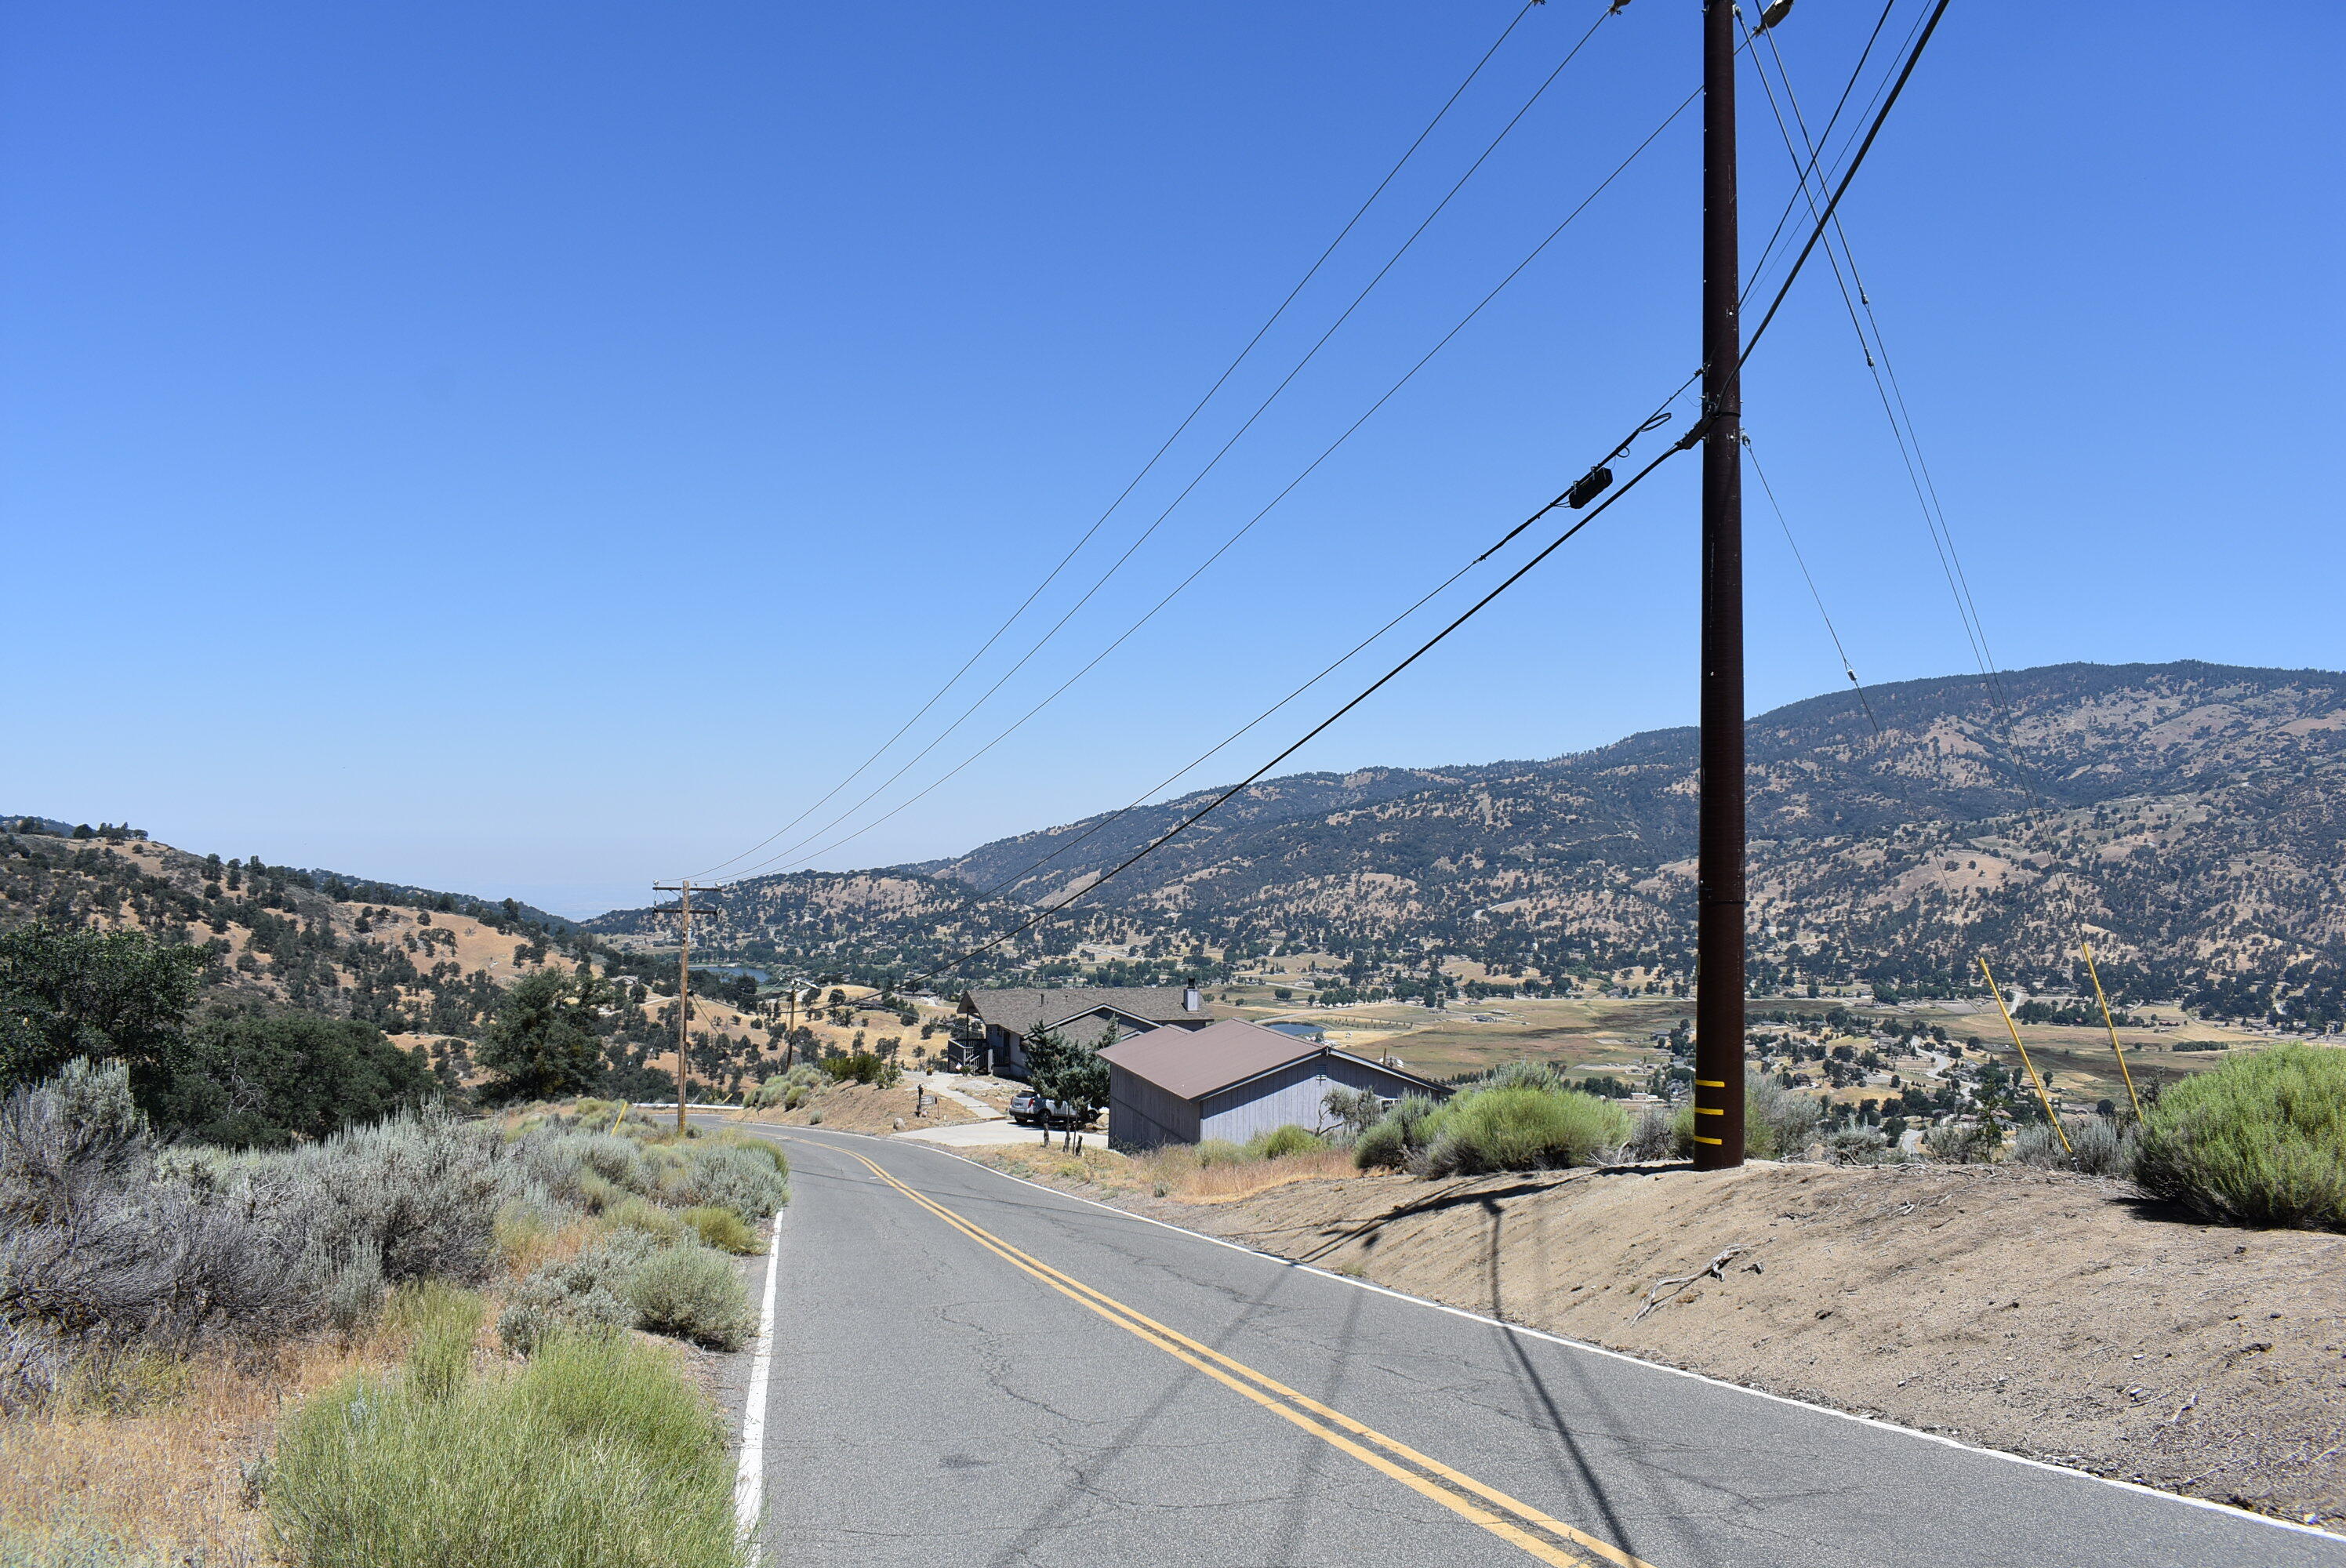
1175, 1172
863, 1108
1178, 1172
524, 1247
168, 1478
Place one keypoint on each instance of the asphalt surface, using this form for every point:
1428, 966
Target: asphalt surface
1073, 1386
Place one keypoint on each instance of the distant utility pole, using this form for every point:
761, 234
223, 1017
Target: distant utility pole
683, 987
1718, 931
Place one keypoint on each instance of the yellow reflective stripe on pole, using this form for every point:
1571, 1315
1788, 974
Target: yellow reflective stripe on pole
2111, 1024
2059, 1131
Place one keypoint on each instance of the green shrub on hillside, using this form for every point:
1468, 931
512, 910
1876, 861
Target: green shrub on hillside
634, 1214
2095, 1146
596, 1454
790, 1090
1515, 1129
724, 1230
1397, 1137
441, 1322
1279, 1142
1778, 1124
237, 1079
583, 1293
2260, 1140
694, 1294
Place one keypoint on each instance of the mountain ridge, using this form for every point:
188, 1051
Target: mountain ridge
2187, 813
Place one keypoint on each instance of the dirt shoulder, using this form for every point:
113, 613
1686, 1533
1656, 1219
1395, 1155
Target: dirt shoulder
2044, 1314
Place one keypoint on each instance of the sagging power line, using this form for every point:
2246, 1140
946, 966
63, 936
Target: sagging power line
1149, 466
800, 852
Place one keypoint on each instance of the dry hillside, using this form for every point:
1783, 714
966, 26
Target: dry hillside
2189, 818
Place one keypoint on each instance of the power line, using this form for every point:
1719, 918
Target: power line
1913, 57
1856, 162
1117, 564
1189, 419
1325, 671
1315, 731
792, 852
1901, 429
1831, 631
1784, 219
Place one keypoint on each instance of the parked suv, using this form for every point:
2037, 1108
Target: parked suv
1028, 1109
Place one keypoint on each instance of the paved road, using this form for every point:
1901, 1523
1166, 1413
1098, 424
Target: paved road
972, 1370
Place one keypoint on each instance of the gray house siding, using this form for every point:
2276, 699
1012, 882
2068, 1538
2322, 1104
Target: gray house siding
1141, 1116
1296, 1092
1002, 1054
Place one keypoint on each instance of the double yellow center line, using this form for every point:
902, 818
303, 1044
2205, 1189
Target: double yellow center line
1550, 1540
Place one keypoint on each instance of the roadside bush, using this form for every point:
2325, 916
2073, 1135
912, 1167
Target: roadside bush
862, 1067
585, 1293
442, 1323
2260, 1140
2104, 1146
649, 1218
588, 1168
423, 1188
1652, 1138
1521, 1076
1398, 1137
1856, 1145
1219, 1152
790, 1090
1961, 1144
593, 1193
1777, 1123
724, 1230
625, 1467
745, 1179
100, 1248
692, 1293
1514, 1129
1355, 1112
2097, 1146
1279, 1142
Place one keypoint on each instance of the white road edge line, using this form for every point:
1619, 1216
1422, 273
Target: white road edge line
1939, 1438
749, 1484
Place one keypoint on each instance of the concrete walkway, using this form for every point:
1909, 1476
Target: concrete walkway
974, 1135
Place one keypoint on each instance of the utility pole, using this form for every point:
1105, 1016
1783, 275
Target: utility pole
1718, 933
683, 989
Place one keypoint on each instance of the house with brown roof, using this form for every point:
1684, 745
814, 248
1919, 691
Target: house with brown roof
1004, 1018
1232, 1080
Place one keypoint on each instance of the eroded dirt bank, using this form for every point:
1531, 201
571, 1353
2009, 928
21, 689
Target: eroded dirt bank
2049, 1315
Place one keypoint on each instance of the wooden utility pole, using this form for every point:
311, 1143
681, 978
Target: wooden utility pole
683, 989
1718, 933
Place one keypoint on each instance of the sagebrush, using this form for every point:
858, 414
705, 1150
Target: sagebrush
2260, 1140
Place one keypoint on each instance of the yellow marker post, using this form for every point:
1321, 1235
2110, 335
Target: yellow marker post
2111, 1024
2050, 1114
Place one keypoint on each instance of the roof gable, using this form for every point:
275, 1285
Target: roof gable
1190, 1064
1021, 1011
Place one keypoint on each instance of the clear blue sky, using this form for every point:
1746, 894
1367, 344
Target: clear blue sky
536, 449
